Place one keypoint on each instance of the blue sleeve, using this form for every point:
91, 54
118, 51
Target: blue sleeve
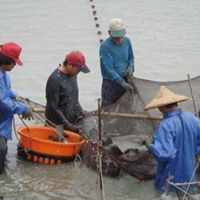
107, 64
198, 135
131, 56
7, 104
163, 148
12, 94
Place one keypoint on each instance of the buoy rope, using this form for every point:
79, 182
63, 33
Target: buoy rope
95, 18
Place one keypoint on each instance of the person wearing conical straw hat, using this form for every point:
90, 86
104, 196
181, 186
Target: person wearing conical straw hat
176, 140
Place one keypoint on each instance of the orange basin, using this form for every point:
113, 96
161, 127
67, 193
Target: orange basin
37, 139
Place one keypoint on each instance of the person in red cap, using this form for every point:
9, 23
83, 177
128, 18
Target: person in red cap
62, 93
9, 57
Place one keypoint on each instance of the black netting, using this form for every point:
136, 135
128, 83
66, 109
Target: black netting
119, 131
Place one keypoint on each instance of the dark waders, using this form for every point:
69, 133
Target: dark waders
3, 152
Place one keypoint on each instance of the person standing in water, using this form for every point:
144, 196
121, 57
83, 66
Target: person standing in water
9, 57
176, 140
62, 93
117, 63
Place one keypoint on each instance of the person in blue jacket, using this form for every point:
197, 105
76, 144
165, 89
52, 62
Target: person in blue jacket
9, 57
176, 140
117, 63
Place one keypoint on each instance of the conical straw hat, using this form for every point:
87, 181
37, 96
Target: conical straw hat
164, 97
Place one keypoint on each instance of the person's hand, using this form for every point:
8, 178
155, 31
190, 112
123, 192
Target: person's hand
126, 86
72, 127
17, 98
129, 72
28, 115
80, 116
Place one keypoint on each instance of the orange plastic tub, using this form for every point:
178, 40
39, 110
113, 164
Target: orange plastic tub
36, 145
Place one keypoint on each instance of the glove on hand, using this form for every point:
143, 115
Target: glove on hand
28, 115
72, 127
126, 86
129, 71
80, 116
17, 98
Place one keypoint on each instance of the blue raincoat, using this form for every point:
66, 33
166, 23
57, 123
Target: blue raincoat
176, 142
8, 106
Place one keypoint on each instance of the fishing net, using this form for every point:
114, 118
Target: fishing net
126, 134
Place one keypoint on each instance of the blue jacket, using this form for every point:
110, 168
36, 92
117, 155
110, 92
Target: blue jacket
8, 106
115, 59
176, 142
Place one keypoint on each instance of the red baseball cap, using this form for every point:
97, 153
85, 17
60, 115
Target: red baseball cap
78, 59
12, 50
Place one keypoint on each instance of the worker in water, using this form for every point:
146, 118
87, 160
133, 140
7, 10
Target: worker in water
176, 140
62, 93
117, 63
9, 57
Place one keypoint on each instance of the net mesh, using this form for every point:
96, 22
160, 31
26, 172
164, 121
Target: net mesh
128, 134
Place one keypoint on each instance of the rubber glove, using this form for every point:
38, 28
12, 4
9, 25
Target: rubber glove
80, 116
72, 127
126, 86
129, 71
28, 115
17, 98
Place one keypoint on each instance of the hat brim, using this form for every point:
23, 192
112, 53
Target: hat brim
117, 33
156, 103
18, 61
84, 69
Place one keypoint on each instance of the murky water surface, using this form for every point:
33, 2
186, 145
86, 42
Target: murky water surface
165, 36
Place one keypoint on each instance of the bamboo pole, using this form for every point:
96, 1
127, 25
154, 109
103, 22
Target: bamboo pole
112, 114
192, 94
130, 116
99, 152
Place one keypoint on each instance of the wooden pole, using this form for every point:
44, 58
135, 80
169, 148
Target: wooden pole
99, 151
129, 115
192, 94
112, 114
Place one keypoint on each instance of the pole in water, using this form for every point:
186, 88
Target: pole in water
99, 150
192, 94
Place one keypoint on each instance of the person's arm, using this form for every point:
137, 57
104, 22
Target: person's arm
131, 56
7, 104
197, 126
107, 65
53, 98
53, 101
163, 148
131, 66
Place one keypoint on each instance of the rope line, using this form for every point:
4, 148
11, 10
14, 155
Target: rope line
95, 18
